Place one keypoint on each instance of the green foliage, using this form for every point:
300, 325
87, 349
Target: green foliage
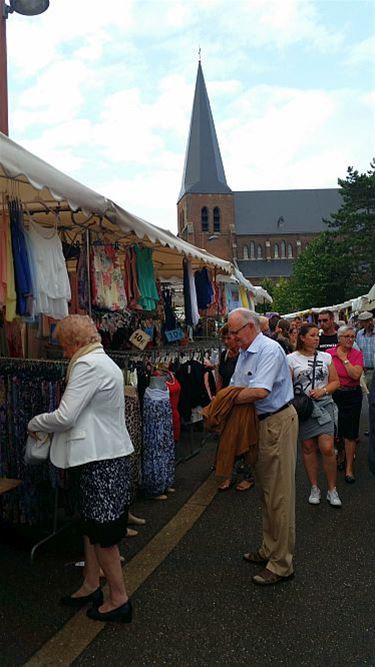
354, 226
321, 273
340, 263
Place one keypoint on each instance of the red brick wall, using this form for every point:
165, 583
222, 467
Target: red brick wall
190, 227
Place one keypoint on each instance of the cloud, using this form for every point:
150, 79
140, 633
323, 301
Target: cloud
362, 53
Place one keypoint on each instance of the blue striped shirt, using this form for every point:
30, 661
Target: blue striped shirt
264, 365
367, 345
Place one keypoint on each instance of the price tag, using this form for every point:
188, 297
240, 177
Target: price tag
139, 339
173, 335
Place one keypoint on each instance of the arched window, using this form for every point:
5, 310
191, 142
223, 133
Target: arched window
290, 251
204, 218
276, 251
252, 250
283, 249
299, 248
216, 219
182, 219
259, 251
245, 252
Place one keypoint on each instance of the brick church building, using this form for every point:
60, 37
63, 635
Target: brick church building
263, 230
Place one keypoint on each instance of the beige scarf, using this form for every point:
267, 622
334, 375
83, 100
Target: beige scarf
82, 351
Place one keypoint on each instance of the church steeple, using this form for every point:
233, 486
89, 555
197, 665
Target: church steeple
203, 169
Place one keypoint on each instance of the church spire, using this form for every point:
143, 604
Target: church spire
203, 169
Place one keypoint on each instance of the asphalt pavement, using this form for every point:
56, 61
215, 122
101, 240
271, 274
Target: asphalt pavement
199, 606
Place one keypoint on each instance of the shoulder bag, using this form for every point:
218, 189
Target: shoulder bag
304, 404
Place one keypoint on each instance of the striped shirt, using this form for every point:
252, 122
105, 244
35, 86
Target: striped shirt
367, 346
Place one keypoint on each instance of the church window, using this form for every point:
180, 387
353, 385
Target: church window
252, 250
290, 251
283, 249
299, 248
276, 251
204, 219
259, 251
245, 252
216, 219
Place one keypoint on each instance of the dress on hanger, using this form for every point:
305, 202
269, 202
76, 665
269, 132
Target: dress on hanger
158, 456
146, 278
52, 287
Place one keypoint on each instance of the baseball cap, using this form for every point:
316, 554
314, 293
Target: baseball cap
366, 315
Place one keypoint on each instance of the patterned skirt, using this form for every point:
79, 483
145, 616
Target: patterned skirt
104, 494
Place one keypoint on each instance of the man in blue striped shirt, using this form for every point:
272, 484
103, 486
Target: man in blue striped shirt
262, 370
366, 343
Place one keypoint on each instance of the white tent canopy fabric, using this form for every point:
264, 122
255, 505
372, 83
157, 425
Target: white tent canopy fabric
48, 194
357, 305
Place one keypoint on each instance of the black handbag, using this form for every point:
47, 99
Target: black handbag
304, 404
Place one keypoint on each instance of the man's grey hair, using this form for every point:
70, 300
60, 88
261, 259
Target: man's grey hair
344, 330
247, 316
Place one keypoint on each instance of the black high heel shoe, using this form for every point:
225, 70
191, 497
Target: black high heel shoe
76, 603
121, 614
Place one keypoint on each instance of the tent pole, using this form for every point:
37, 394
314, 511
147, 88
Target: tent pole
88, 270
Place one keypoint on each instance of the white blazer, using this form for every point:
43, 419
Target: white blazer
89, 424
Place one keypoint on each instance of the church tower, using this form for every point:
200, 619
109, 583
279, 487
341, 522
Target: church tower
205, 206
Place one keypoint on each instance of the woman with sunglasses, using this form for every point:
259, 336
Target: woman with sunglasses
314, 372
348, 397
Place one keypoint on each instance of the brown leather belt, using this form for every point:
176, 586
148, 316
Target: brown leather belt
269, 414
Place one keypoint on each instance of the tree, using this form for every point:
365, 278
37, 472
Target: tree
321, 273
354, 228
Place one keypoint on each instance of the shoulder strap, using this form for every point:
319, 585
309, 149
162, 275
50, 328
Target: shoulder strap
314, 367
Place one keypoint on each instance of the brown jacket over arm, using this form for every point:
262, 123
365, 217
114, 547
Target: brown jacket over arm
238, 428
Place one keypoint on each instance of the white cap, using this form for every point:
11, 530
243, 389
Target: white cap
366, 315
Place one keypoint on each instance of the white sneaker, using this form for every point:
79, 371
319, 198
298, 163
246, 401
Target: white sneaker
334, 498
314, 497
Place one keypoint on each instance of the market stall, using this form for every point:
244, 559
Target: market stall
97, 245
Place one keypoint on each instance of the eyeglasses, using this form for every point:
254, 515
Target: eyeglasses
320, 321
235, 332
351, 337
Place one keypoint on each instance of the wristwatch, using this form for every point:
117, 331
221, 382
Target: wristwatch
345, 362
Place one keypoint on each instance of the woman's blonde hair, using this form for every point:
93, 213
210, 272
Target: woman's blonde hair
77, 330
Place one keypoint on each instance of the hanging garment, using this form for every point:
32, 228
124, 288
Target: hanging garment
146, 278
134, 426
190, 285
52, 287
3, 260
174, 394
22, 275
108, 289
131, 286
204, 290
193, 393
243, 297
233, 297
82, 280
158, 457
11, 296
187, 299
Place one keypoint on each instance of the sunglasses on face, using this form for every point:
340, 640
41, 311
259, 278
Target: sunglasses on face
320, 321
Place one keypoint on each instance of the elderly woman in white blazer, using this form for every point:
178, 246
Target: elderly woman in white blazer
89, 431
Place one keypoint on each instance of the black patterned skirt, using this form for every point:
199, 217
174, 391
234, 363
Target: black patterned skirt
104, 494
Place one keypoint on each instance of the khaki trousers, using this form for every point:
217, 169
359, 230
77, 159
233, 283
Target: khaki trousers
275, 474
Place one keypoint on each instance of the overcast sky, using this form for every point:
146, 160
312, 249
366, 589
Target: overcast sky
104, 91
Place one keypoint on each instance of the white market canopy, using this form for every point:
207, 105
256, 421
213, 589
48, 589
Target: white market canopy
51, 197
357, 305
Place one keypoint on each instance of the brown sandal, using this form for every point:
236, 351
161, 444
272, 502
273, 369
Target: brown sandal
245, 485
254, 557
267, 578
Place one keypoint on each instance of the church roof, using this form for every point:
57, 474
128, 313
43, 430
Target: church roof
203, 170
262, 268
284, 211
